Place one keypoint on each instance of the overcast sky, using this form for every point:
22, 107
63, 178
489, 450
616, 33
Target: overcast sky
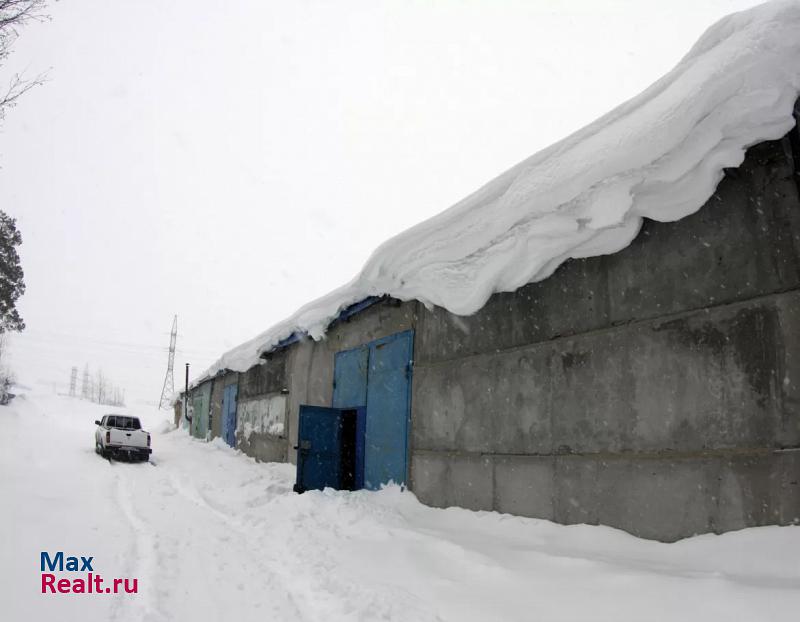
230, 161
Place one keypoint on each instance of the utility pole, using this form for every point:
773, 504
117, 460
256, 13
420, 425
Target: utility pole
169, 379
186, 397
73, 381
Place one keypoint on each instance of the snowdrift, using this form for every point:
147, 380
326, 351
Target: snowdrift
659, 155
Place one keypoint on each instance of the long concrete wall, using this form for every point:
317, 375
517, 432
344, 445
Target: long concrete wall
656, 390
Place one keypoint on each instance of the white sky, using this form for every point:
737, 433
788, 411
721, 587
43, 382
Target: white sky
231, 161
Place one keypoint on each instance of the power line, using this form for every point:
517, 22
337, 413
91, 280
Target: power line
50, 338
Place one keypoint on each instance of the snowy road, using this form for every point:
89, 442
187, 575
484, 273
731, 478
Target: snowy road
212, 535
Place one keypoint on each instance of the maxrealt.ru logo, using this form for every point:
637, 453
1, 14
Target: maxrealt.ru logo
88, 583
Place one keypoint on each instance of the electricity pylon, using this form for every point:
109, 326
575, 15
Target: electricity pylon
85, 390
73, 381
169, 380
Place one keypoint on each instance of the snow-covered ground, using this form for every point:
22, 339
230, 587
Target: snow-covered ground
211, 535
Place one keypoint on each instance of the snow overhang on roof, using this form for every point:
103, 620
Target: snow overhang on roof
659, 155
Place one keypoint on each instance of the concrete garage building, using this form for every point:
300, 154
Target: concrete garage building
655, 389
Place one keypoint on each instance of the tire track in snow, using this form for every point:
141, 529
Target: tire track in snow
182, 547
146, 606
244, 539
311, 582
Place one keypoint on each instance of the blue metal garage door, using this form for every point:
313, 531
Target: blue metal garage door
350, 378
229, 414
388, 410
377, 376
319, 448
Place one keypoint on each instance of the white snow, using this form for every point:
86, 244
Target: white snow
211, 535
659, 155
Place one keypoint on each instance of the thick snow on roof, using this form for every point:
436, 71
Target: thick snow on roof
660, 155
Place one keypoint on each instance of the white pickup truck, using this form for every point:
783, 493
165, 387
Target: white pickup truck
121, 435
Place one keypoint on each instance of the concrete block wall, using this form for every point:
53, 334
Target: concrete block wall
267, 379
656, 390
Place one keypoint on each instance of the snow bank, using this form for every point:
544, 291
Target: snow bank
659, 155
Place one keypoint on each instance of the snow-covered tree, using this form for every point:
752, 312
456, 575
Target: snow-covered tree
12, 285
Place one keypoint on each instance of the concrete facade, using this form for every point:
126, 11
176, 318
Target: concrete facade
256, 385
656, 390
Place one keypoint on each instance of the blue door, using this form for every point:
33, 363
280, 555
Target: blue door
229, 414
350, 392
350, 378
320, 436
388, 410
362, 442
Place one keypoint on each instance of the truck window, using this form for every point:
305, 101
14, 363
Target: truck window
128, 423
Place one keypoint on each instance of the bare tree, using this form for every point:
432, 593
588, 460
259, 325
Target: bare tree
13, 15
100, 384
